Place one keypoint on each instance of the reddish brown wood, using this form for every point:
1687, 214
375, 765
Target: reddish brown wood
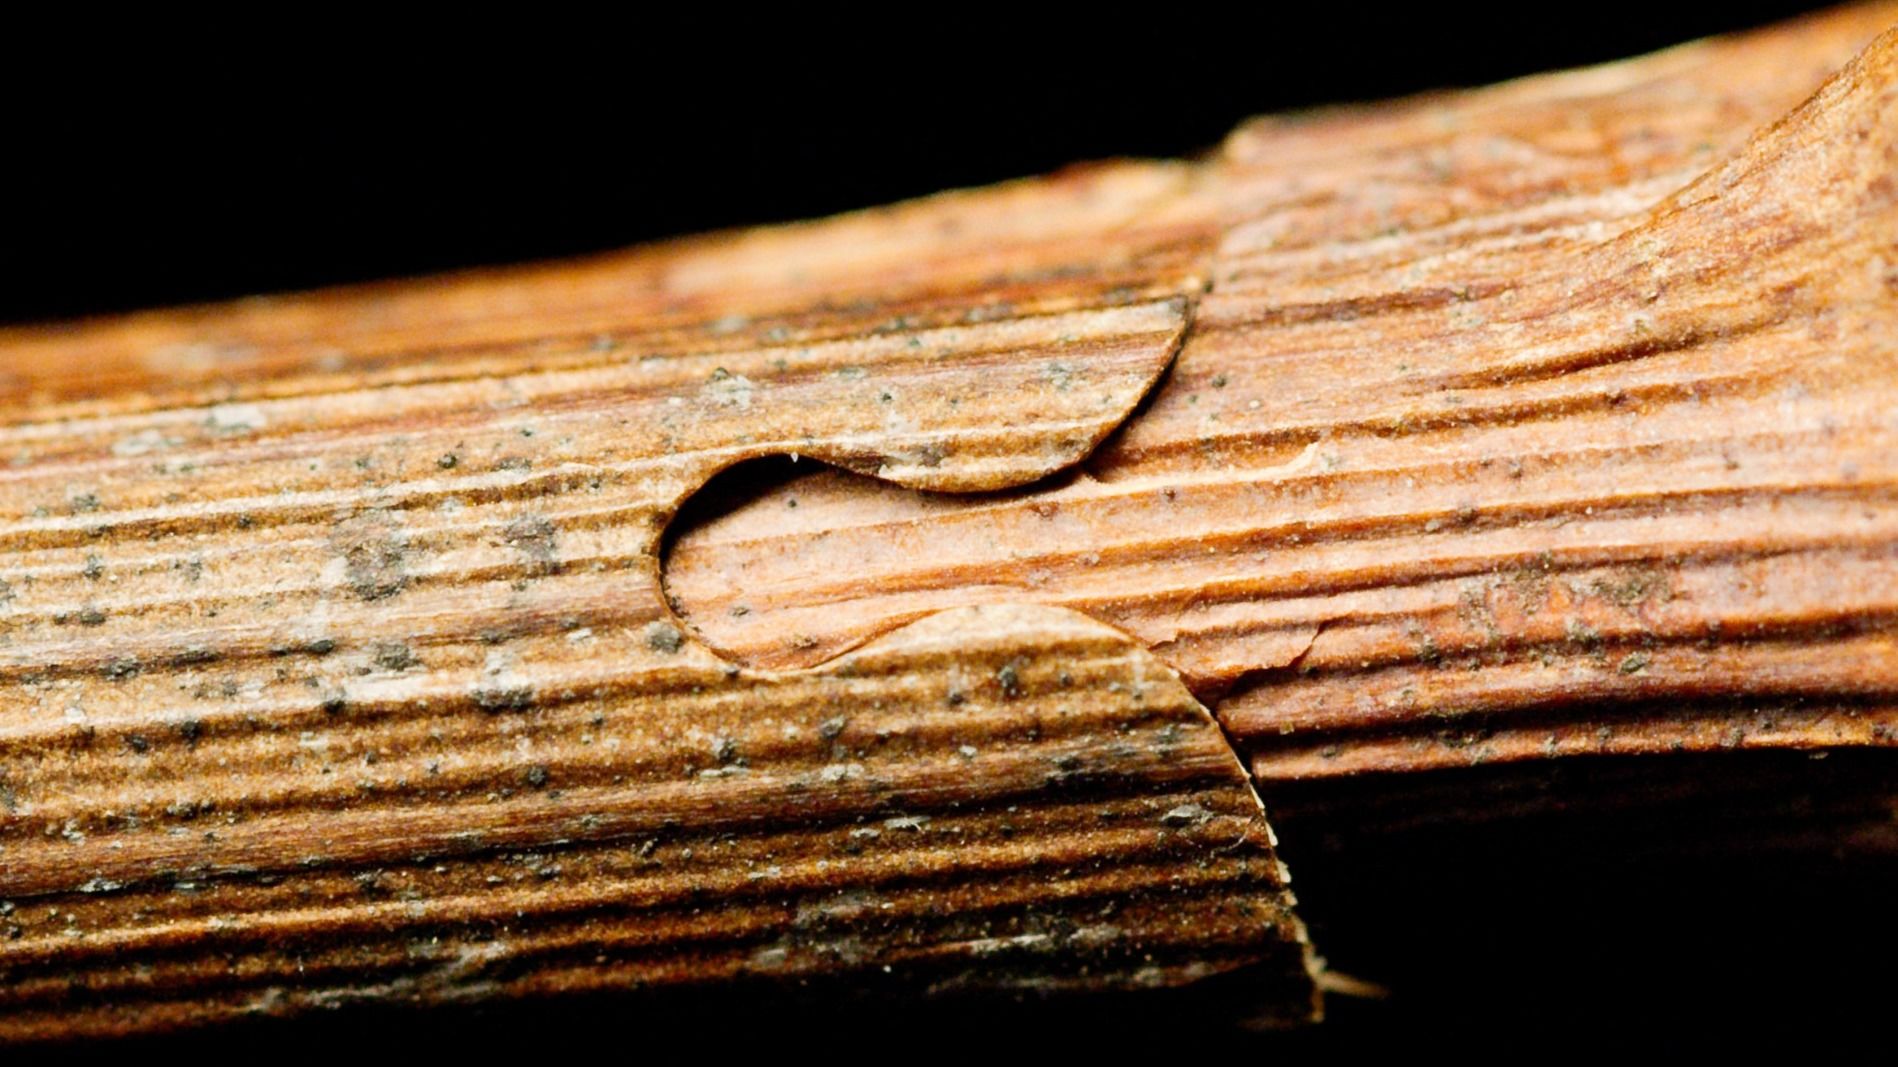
335, 665
1545, 420
1548, 420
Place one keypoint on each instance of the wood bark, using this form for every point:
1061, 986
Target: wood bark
387, 644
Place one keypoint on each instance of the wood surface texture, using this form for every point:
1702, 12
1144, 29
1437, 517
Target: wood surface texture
349, 650
1555, 418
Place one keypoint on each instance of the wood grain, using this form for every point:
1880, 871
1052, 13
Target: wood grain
996, 799
1551, 420
335, 666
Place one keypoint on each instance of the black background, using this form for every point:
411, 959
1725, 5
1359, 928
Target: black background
187, 163
249, 160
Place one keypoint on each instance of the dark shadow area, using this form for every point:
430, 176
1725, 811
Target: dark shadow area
1739, 900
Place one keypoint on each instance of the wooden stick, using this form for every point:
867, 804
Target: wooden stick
342, 656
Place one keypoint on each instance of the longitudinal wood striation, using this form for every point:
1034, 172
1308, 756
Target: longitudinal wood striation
337, 662
997, 798
335, 666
